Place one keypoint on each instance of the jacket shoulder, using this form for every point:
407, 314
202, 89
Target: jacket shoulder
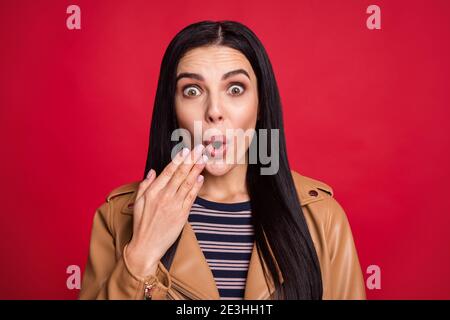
121, 200
123, 190
332, 236
305, 185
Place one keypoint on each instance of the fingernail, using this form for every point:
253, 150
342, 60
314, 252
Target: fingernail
150, 174
200, 178
203, 159
199, 148
184, 152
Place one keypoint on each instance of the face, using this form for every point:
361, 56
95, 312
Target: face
217, 91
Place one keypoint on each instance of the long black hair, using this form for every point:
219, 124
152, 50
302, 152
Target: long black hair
276, 211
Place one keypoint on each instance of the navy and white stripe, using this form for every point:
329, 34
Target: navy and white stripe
225, 235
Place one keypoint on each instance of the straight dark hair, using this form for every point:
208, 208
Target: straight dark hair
276, 211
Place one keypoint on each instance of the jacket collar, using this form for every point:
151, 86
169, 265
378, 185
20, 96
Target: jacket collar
190, 270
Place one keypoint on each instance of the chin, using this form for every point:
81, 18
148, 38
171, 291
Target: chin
218, 169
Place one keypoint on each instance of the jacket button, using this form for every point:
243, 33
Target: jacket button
313, 193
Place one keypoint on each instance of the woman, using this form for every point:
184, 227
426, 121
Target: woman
200, 227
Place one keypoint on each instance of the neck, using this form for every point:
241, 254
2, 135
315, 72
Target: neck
228, 188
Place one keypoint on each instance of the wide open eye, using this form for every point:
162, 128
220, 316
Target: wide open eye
191, 91
236, 90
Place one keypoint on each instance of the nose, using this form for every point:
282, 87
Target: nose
214, 111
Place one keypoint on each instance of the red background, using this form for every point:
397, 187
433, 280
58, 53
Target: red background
366, 111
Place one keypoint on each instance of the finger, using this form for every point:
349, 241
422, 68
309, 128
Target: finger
192, 194
139, 202
183, 170
165, 176
190, 180
151, 175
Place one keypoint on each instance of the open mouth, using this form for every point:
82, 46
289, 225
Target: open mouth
218, 147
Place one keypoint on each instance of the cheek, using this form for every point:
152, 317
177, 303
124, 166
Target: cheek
185, 122
184, 119
186, 114
245, 113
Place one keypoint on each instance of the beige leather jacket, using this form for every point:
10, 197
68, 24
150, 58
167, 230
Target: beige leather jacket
107, 275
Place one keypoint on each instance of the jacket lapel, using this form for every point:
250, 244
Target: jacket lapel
190, 269
256, 287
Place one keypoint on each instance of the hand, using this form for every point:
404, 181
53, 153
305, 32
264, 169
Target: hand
162, 208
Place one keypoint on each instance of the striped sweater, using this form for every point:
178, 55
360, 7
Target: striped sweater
225, 235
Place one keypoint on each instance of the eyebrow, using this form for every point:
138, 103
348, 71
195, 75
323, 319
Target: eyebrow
199, 77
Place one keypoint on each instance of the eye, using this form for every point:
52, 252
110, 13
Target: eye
236, 90
191, 91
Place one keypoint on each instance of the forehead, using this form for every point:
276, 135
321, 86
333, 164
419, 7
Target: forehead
208, 58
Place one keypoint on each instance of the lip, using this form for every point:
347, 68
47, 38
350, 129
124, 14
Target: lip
221, 138
217, 152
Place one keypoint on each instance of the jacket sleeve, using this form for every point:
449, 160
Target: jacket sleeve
347, 281
108, 277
